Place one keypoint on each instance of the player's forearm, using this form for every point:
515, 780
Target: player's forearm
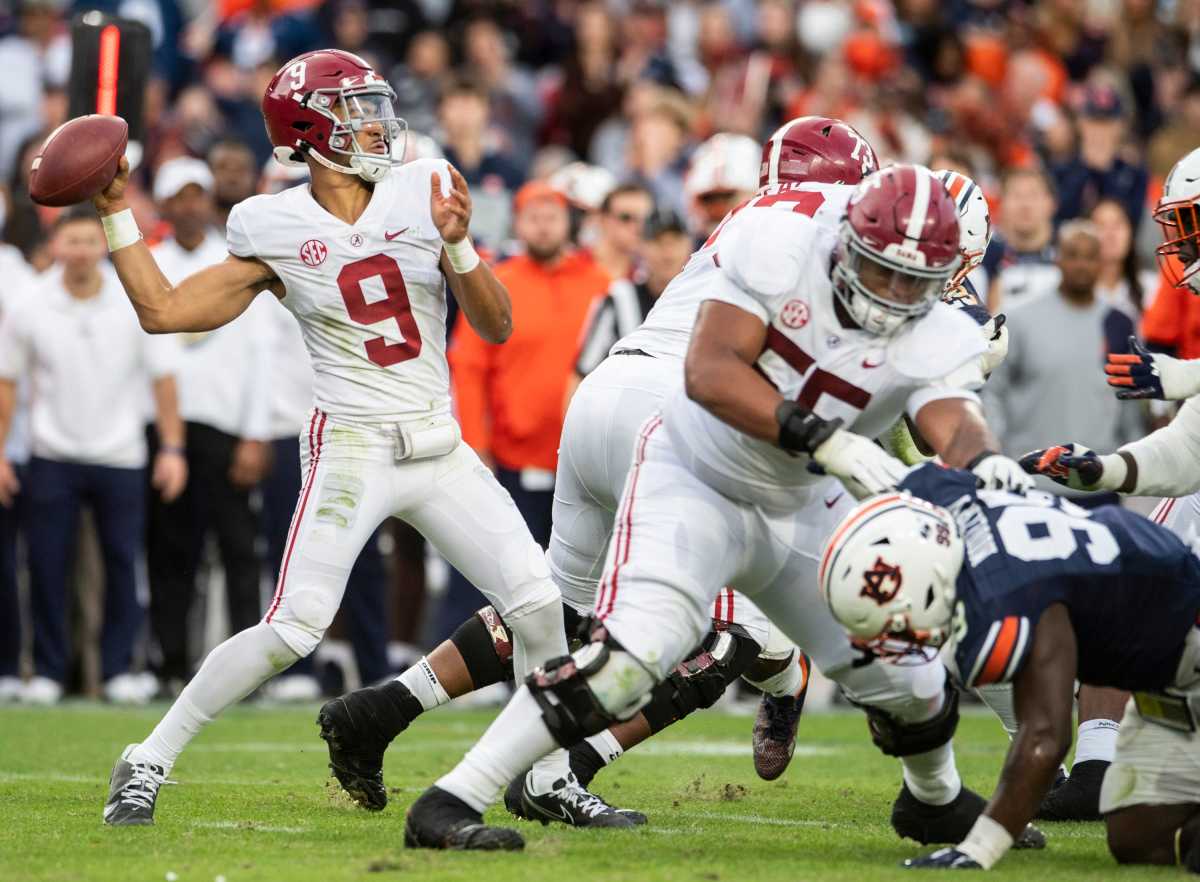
147, 288
735, 393
1033, 761
166, 411
483, 299
956, 430
1164, 462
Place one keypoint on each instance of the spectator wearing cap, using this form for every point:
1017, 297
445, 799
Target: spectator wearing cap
223, 379
89, 362
510, 397
1098, 170
1021, 258
665, 249
623, 215
724, 172
492, 175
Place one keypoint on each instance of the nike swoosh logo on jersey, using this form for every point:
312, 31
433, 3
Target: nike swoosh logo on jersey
830, 503
391, 236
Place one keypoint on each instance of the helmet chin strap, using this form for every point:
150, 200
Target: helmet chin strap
370, 172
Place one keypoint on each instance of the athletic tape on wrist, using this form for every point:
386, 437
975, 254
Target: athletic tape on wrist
463, 256
987, 842
120, 229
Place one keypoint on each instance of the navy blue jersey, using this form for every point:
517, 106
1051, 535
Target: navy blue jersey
1131, 587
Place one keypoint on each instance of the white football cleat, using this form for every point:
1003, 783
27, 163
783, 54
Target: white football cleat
10, 689
127, 689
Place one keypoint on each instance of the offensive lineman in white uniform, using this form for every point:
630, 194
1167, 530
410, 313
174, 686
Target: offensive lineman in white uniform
806, 166
803, 329
362, 258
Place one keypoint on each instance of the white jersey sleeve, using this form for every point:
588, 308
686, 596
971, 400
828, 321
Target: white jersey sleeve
763, 256
237, 239
1169, 460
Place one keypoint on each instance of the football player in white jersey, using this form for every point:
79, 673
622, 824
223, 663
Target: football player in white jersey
803, 329
808, 165
362, 258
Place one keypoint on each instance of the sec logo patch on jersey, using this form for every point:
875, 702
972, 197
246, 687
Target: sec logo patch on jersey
795, 314
313, 252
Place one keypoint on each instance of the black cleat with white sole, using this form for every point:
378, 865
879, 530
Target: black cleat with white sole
132, 792
568, 803
441, 820
948, 824
357, 728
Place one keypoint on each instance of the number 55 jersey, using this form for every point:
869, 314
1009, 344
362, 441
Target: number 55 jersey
1131, 587
370, 297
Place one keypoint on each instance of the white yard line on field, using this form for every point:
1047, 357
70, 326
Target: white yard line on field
248, 825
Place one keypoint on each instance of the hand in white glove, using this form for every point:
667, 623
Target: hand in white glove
862, 465
996, 472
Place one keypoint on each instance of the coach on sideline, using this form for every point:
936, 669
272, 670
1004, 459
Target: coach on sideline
79, 341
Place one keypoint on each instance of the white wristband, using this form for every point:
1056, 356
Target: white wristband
1114, 472
463, 256
986, 843
120, 229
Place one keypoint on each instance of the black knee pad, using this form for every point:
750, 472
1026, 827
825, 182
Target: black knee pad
896, 738
764, 668
486, 645
698, 681
569, 708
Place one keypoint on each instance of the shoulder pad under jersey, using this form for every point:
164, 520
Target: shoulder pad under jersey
939, 343
765, 252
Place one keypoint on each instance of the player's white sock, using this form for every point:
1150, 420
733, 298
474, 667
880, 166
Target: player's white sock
231, 672
539, 636
932, 777
423, 683
789, 681
514, 741
1097, 740
607, 746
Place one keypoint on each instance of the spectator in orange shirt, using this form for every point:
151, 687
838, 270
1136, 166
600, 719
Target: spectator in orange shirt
1171, 323
510, 397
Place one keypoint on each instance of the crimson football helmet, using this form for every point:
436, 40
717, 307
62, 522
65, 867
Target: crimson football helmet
816, 149
332, 106
897, 248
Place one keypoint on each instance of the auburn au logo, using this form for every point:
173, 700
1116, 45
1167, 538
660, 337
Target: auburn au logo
882, 582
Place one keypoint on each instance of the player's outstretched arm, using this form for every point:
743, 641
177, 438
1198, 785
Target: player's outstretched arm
481, 295
205, 300
956, 429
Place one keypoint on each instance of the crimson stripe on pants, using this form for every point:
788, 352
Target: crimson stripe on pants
604, 605
314, 456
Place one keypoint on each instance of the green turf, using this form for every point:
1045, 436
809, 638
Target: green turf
254, 803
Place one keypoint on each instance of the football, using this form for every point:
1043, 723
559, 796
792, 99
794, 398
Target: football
78, 160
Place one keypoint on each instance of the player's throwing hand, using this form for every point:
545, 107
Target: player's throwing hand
452, 212
112, 198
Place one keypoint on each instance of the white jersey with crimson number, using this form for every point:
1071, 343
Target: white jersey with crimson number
668, 326
777, 268
370, 296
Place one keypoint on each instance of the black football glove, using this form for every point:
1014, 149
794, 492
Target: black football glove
1146, 374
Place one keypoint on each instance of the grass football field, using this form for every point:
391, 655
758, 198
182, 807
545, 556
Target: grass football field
253, 802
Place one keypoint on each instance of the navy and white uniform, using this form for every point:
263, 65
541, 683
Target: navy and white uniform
1131, 589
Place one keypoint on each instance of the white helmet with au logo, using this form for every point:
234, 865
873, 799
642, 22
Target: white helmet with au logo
888, 574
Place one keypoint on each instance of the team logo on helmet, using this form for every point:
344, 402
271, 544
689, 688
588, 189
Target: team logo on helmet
882, 582
313, 252
795, 314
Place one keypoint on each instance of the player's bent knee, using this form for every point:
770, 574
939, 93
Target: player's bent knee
303, 618
897, 737
701, 679
586, 692
486, 645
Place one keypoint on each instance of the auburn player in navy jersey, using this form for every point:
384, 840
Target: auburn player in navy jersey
1034, 590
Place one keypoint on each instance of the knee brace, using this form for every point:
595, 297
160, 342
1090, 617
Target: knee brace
586, 692
701, 679
898, 738
764, 668
303, 617
486, 645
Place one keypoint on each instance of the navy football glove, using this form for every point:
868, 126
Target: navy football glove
1071, 465
943, 859
1146, 374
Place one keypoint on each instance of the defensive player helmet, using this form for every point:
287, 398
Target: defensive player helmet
332, 106
817, 149
898, 246
1178, 213
974, 222
888, 574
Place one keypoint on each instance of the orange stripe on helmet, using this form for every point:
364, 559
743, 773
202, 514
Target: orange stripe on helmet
854, 518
